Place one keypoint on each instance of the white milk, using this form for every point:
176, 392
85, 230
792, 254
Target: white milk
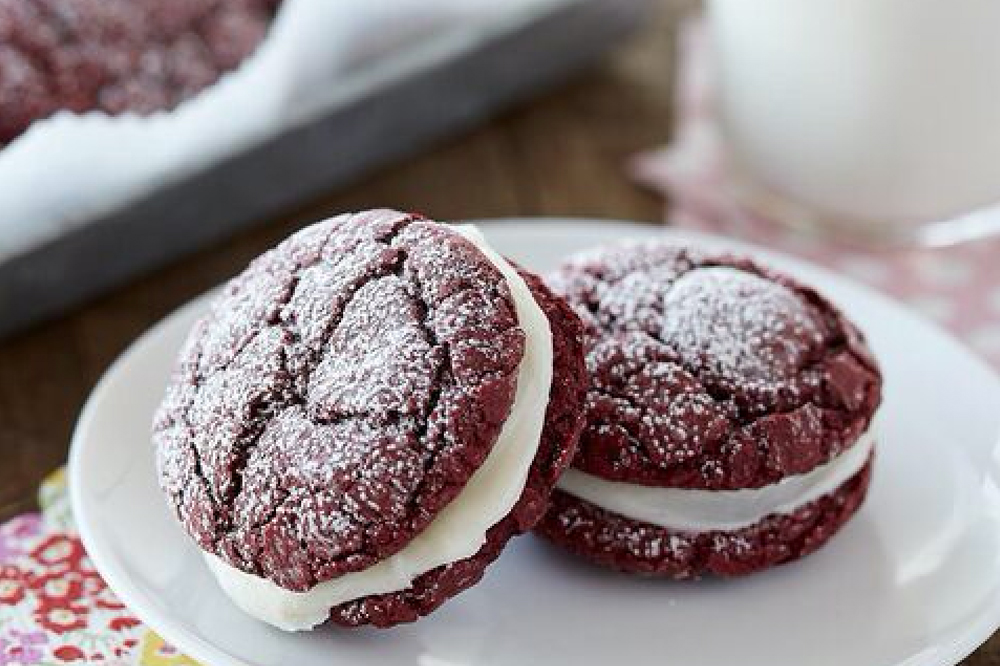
879, 114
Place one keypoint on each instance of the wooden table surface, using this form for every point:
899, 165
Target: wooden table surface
561, 154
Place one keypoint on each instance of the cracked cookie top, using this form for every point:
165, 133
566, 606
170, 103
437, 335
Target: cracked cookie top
118, 55
711, 371
337, 395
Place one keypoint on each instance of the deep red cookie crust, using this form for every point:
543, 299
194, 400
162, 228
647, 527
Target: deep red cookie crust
118, 55
337, 395
341, 392
711, 371
563, 421
619, 543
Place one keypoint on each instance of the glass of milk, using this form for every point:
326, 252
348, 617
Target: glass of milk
878, 120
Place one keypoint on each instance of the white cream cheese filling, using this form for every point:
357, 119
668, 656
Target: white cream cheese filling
695, 510
459, 531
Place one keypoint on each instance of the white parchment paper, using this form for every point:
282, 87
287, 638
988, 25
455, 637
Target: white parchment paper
70, 168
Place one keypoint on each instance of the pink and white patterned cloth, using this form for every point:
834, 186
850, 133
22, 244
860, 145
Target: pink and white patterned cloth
54, 607
958, 286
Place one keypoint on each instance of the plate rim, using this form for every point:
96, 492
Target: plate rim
959, 644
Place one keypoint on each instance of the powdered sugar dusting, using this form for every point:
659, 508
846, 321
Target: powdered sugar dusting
375, 363
647, 406
739, 327
710, 371
337, 395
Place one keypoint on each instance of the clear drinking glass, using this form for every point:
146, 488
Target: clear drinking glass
876, 120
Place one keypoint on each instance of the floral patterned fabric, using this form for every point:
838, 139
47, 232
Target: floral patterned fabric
54, 606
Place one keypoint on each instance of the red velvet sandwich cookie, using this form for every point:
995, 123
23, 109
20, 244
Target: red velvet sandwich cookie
366, 416
727, 419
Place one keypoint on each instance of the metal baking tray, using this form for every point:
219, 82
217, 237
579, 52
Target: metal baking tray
380, 120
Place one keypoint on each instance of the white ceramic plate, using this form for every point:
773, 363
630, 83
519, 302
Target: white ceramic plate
914, 579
